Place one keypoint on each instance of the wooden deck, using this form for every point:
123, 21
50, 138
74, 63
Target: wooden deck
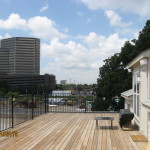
74, 131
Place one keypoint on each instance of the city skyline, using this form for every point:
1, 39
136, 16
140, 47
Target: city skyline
76, 35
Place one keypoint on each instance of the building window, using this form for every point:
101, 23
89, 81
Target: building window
136, 92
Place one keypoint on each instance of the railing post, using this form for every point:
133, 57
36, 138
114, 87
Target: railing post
45, 102
12, 111
32, 106
85, 102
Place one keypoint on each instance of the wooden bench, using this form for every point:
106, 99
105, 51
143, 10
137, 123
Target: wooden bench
104, 118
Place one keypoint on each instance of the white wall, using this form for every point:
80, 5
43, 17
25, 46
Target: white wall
148, 67
144, 96
144, 121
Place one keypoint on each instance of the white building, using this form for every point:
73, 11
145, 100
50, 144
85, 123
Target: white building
137, 99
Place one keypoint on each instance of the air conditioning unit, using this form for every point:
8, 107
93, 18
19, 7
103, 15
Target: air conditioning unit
143, 61
129, 70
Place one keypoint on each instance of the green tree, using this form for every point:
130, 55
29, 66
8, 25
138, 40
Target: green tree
100, 105
2, 94
12, 94
127, 51
143, 41
113, 78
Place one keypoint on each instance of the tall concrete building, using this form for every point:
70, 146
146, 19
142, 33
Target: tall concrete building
20, 64
23, 55
4, 62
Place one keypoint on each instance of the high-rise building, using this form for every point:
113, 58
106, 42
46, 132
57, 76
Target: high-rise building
23, 55
20, 64
4, 62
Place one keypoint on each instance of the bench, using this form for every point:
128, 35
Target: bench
104, 118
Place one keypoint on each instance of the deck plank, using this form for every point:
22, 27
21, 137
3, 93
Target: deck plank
71, 131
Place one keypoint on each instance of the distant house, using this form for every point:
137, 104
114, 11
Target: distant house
137, 99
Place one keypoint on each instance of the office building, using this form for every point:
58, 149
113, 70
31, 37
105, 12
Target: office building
21, 82
23, 55
4, 62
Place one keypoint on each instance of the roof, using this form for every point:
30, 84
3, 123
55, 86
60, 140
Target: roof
142, 55
127, 94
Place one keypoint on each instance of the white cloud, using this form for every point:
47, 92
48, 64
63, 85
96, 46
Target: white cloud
44, 27
44, 8
14, 21
79, 13
140, 7
70, 56
73, 76
116, 20
122, 28
5, 36
79, 61
131, 32
41, 27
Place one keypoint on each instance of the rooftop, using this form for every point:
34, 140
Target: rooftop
71, 131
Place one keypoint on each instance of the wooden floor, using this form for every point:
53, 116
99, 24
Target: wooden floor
74, 131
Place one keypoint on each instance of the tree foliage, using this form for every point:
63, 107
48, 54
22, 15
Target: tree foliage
143, 41
100, 105
113, 79
3, 87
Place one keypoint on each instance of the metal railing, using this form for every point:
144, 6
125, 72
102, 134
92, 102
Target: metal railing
15, 110
76, 102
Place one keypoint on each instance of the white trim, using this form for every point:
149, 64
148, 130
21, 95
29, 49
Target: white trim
136, 97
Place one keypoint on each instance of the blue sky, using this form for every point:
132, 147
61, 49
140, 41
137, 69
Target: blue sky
76, 35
